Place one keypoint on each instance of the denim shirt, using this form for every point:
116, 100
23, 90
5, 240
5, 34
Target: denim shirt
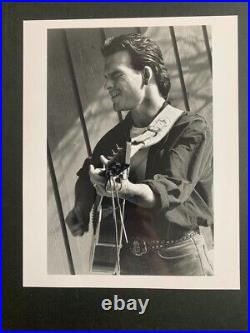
178, 170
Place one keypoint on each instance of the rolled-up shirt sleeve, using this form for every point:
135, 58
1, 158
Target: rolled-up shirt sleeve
186, 163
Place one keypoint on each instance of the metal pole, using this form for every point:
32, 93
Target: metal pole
60, 211
209, 54
178, 62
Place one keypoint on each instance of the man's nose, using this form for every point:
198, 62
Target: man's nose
108, 84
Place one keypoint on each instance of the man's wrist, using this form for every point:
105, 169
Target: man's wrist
139, 194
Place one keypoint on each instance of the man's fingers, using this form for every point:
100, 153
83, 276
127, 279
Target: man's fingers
95, 171
97, 180
100, 190
95, 177
91, 168
104, 160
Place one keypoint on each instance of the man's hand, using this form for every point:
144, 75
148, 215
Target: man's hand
139, 194
76, 223
104, 188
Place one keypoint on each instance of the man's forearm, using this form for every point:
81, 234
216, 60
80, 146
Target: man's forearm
139, 194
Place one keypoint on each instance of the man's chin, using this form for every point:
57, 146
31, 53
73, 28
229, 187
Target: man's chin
117, 108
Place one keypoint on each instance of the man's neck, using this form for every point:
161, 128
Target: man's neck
144, 115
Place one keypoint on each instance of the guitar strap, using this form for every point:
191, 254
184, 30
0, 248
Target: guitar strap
157, 129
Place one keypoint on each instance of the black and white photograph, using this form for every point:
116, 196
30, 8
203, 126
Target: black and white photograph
132, 152
121, 109
125, 166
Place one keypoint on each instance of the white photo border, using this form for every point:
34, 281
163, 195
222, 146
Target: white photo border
226, 158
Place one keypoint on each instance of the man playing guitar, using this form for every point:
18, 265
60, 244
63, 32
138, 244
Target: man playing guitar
166, 180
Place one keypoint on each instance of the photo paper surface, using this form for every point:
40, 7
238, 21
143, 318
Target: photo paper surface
67, 110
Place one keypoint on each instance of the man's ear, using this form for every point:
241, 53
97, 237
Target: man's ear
147, 74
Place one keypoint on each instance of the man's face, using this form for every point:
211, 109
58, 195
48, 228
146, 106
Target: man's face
124, 84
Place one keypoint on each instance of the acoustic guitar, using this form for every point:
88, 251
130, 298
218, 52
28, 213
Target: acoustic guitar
108, 229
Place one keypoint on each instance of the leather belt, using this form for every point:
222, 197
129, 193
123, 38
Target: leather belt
139, 247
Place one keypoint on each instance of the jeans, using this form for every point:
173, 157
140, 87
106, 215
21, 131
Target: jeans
189, 257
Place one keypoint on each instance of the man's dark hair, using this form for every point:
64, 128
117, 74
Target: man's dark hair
143, 52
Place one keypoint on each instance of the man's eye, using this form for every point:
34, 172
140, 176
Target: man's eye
118, 75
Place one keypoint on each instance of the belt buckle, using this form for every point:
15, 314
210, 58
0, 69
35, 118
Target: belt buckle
139, 247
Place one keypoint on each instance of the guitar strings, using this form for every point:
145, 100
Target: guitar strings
121, 212
116, 226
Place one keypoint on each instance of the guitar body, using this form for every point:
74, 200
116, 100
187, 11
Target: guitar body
104, 252
107, 218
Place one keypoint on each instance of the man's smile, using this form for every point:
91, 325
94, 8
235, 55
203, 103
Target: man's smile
114, 93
